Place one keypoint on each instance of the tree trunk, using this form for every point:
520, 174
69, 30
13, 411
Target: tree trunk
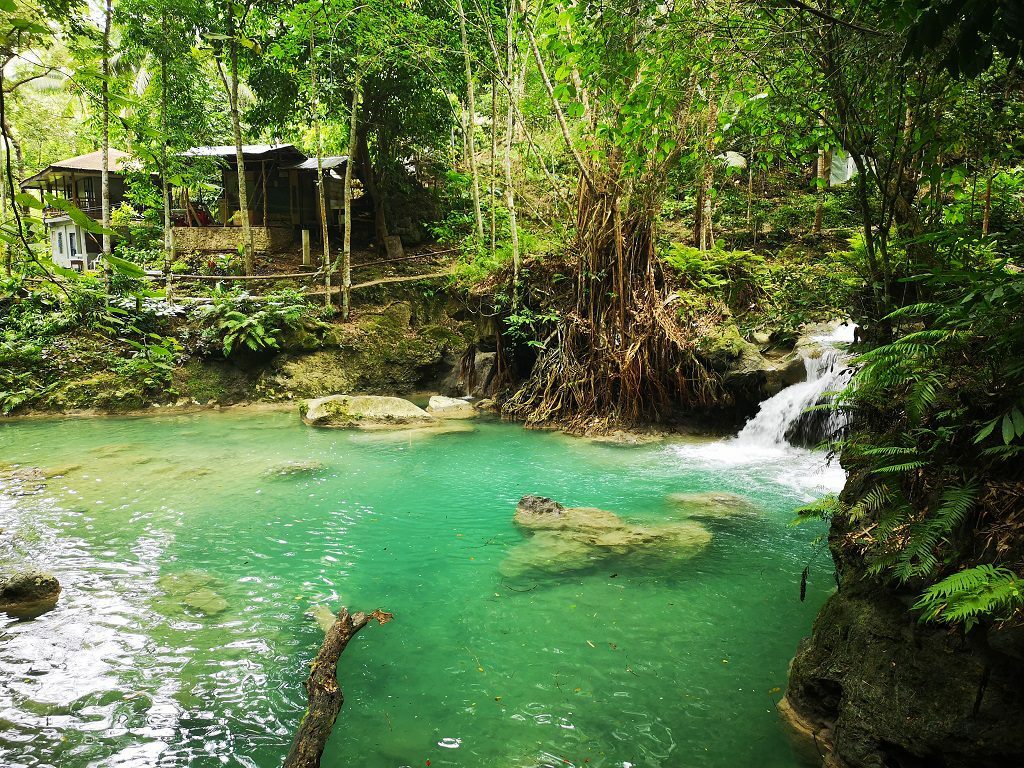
325, 695
165, 186
510, 195
325, 237
823, 170
346, 257
559, 115
986, 217
105, 172
494, 160
380, 222
702, 232
231, 87
471, 122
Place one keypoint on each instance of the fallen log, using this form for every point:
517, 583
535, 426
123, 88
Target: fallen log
325, 695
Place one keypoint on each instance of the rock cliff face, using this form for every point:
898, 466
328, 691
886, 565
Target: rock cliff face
874, 688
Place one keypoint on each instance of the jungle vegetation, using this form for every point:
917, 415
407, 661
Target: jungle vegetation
577, 155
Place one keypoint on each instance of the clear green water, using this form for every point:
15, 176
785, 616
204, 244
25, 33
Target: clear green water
643, 664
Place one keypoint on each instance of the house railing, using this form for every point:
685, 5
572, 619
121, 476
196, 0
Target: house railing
94, 212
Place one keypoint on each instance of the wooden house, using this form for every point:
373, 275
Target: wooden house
77, 180
282, 197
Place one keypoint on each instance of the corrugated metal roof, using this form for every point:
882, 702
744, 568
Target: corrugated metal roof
310, 165
88, 163
228, 150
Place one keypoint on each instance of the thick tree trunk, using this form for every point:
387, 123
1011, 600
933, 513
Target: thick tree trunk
510, 195
380, 222
231, 87
471, 121
346, 254
105, 172
325, 695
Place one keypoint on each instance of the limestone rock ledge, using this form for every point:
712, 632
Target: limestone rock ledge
874, 688
364, 412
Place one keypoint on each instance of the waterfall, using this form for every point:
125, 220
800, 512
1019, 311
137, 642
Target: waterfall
783, 419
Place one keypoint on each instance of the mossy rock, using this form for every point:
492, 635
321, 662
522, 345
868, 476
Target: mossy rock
714, 505
381, 354
204, 380
103, 390
364, 412
565, 539
27, 593
726, 350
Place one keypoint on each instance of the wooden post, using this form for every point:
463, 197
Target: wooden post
263, 165
306, 261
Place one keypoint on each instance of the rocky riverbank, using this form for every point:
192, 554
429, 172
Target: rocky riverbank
873, 687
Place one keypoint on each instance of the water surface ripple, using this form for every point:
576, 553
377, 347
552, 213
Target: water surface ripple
191, 547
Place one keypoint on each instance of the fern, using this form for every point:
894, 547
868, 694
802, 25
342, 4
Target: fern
971, 594
826, 508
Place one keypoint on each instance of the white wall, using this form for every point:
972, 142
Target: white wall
60, 243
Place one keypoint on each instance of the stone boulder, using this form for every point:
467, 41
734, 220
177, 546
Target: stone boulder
713, 504
875, 687
451, 408
364, 412
191, 592
28, 593
565, 539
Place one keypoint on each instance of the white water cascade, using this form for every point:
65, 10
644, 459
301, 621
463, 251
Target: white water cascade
784, 418
773, 446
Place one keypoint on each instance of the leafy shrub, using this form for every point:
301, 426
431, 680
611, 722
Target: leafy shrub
236, 320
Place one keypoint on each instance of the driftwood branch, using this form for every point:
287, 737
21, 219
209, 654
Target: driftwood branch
325, 695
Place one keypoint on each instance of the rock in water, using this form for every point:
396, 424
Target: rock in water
294, 468
28, 593
364, 412
451, 408
192, 590
566, 539
713, 504
205, 601
539, 513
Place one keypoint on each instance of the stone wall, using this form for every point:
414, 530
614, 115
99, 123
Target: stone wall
873, 687
228, 239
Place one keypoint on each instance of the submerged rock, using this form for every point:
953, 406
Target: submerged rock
293, 468
22, 481
565, 539
539, 513
451, 408
363, 412
28, 593
205, 601
192, 590
713, 504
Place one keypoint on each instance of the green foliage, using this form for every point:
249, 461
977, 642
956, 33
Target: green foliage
827, 508
778, 292
973, 594
940, 418
235, 320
